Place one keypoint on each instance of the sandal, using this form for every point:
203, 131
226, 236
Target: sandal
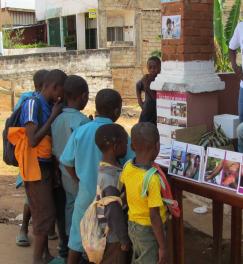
22, 240
57, 260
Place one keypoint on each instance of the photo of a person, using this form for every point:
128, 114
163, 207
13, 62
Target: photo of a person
179, 110
192, 166
177, 162
213, 173
230, 175
171, 27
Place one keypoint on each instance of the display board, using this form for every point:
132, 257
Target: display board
223, 168
187, 161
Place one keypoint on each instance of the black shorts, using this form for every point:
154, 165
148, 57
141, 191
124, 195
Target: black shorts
149, 112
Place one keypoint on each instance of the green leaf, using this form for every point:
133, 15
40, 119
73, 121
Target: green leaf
219, 26
232, 20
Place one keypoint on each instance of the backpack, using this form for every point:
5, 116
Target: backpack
166, 193
93, 233
13, 121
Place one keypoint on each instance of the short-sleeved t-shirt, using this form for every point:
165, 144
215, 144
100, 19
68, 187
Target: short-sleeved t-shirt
30, 111
237, 42
132, 177
23, 97
63, 126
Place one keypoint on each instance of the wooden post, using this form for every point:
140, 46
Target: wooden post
236, 230
218, 211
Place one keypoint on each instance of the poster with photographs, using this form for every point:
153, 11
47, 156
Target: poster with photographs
223, 168
240, 187
163, 158
189, 159
171, 27
171, 114
178, 158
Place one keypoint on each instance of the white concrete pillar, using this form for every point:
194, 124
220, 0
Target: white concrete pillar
80, 28
61, 32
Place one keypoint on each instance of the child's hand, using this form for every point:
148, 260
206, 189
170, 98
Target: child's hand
125, 247
162, 257
56, 109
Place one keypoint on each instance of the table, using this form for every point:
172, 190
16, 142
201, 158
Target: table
219, 197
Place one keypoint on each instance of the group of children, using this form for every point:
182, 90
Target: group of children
65, 156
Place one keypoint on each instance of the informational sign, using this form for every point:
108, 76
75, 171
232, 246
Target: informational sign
171, 114
187, 161
92, 13
171, 27
223, 169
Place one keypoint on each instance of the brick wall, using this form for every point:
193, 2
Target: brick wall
196, 42
94, 66
151, 30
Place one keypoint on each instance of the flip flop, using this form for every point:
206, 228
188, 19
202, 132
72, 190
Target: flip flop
57, 260
22, 240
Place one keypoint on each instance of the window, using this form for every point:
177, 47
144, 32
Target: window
115, 34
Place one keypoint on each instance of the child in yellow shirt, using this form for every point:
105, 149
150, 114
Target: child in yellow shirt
147, 215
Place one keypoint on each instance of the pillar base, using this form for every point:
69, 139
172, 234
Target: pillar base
188, 76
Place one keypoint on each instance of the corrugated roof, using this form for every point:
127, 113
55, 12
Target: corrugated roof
22, 4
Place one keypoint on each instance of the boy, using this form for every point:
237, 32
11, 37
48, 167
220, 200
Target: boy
22, 239
112, 142
148, 106
38, 78
81, 158
76, 94
146, 215
33, 153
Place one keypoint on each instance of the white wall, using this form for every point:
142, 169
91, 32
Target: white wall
80, 25
66, 7
24, 4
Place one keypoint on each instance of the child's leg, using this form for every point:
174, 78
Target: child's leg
42, 209
114, 255
60, 200
75, 242
145, 246
22, 238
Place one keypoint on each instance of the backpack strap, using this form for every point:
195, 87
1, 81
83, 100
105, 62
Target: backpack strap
165, 189
147, 179
107, 200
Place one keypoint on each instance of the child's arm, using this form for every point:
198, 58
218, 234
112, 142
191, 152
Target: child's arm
139, 90
34, 134
157, 226
72, 173
115, 218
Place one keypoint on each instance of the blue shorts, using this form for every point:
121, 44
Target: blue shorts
82, 202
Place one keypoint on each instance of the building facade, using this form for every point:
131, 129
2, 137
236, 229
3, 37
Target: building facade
128, 28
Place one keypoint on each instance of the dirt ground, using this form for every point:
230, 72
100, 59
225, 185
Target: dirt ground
198, 228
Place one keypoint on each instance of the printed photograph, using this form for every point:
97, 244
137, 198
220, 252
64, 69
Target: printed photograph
192, 166
213, 171
178, 159
231, 174
171, 27
240, 184
178, 109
